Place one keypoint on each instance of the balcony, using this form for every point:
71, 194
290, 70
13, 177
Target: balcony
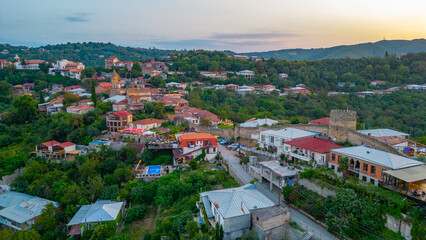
301, 157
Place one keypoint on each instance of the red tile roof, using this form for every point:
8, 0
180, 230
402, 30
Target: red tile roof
251, 119
51, 143
324, 120
122, 113
148, 121
66, 144
105, 84
314, 144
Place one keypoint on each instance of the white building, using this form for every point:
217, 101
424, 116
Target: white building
249, 75
90, 216
32, 64
259, 122
283, 75
232, 208
275, 139
67, 68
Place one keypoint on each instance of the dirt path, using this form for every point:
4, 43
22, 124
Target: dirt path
141, 227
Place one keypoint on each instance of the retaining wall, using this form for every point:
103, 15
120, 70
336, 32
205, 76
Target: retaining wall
5, 180
323, 191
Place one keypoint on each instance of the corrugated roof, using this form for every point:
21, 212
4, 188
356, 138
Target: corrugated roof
383, 132
290, 133
412, 174
21, 207
259, 122
100, 211
378, 157
237, 201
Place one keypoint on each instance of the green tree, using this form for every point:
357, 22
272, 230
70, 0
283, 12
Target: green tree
348, 216
344, 166
159, 110
47, 222
88, 72
24, 109
214, 66
192, 229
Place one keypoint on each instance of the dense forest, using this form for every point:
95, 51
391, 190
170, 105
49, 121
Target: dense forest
376, 49
89, 53
316, 75
107, 174
403, 110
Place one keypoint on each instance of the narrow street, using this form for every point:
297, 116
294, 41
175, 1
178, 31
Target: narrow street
317, 230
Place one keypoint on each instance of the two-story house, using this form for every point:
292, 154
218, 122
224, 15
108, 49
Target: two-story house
310, 149
192, 144
118, 120
274, 139
368, 164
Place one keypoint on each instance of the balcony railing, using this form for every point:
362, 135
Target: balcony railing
301, 157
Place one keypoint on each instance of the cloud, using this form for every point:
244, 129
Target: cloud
78, 17
252, 35
234, 41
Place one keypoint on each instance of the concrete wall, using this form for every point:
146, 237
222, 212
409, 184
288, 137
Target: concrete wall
399, 225
323, 191
236, 226
234, 174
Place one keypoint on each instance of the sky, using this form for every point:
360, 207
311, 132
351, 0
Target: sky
237, 25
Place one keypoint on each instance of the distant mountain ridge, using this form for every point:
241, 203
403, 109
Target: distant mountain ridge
94, 53
377, 49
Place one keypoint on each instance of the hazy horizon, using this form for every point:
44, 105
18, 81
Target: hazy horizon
188, 49
236, 25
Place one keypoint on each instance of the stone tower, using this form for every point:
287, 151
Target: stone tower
340, 122
115, 89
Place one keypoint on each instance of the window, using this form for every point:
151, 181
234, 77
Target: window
365, 167
364, 178
333, 157
373, 181
373, 170
271, 140
262, 138
332, 167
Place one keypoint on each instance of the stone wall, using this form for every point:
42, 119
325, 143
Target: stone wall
340, 122
357, 138
323, 191
5, 180
245, 134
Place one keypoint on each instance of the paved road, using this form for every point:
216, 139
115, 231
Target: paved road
317, 230
234, 162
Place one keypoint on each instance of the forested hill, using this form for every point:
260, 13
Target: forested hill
91, 54
377, 49
94, 54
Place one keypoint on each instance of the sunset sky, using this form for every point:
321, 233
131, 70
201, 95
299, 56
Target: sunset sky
238, 25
